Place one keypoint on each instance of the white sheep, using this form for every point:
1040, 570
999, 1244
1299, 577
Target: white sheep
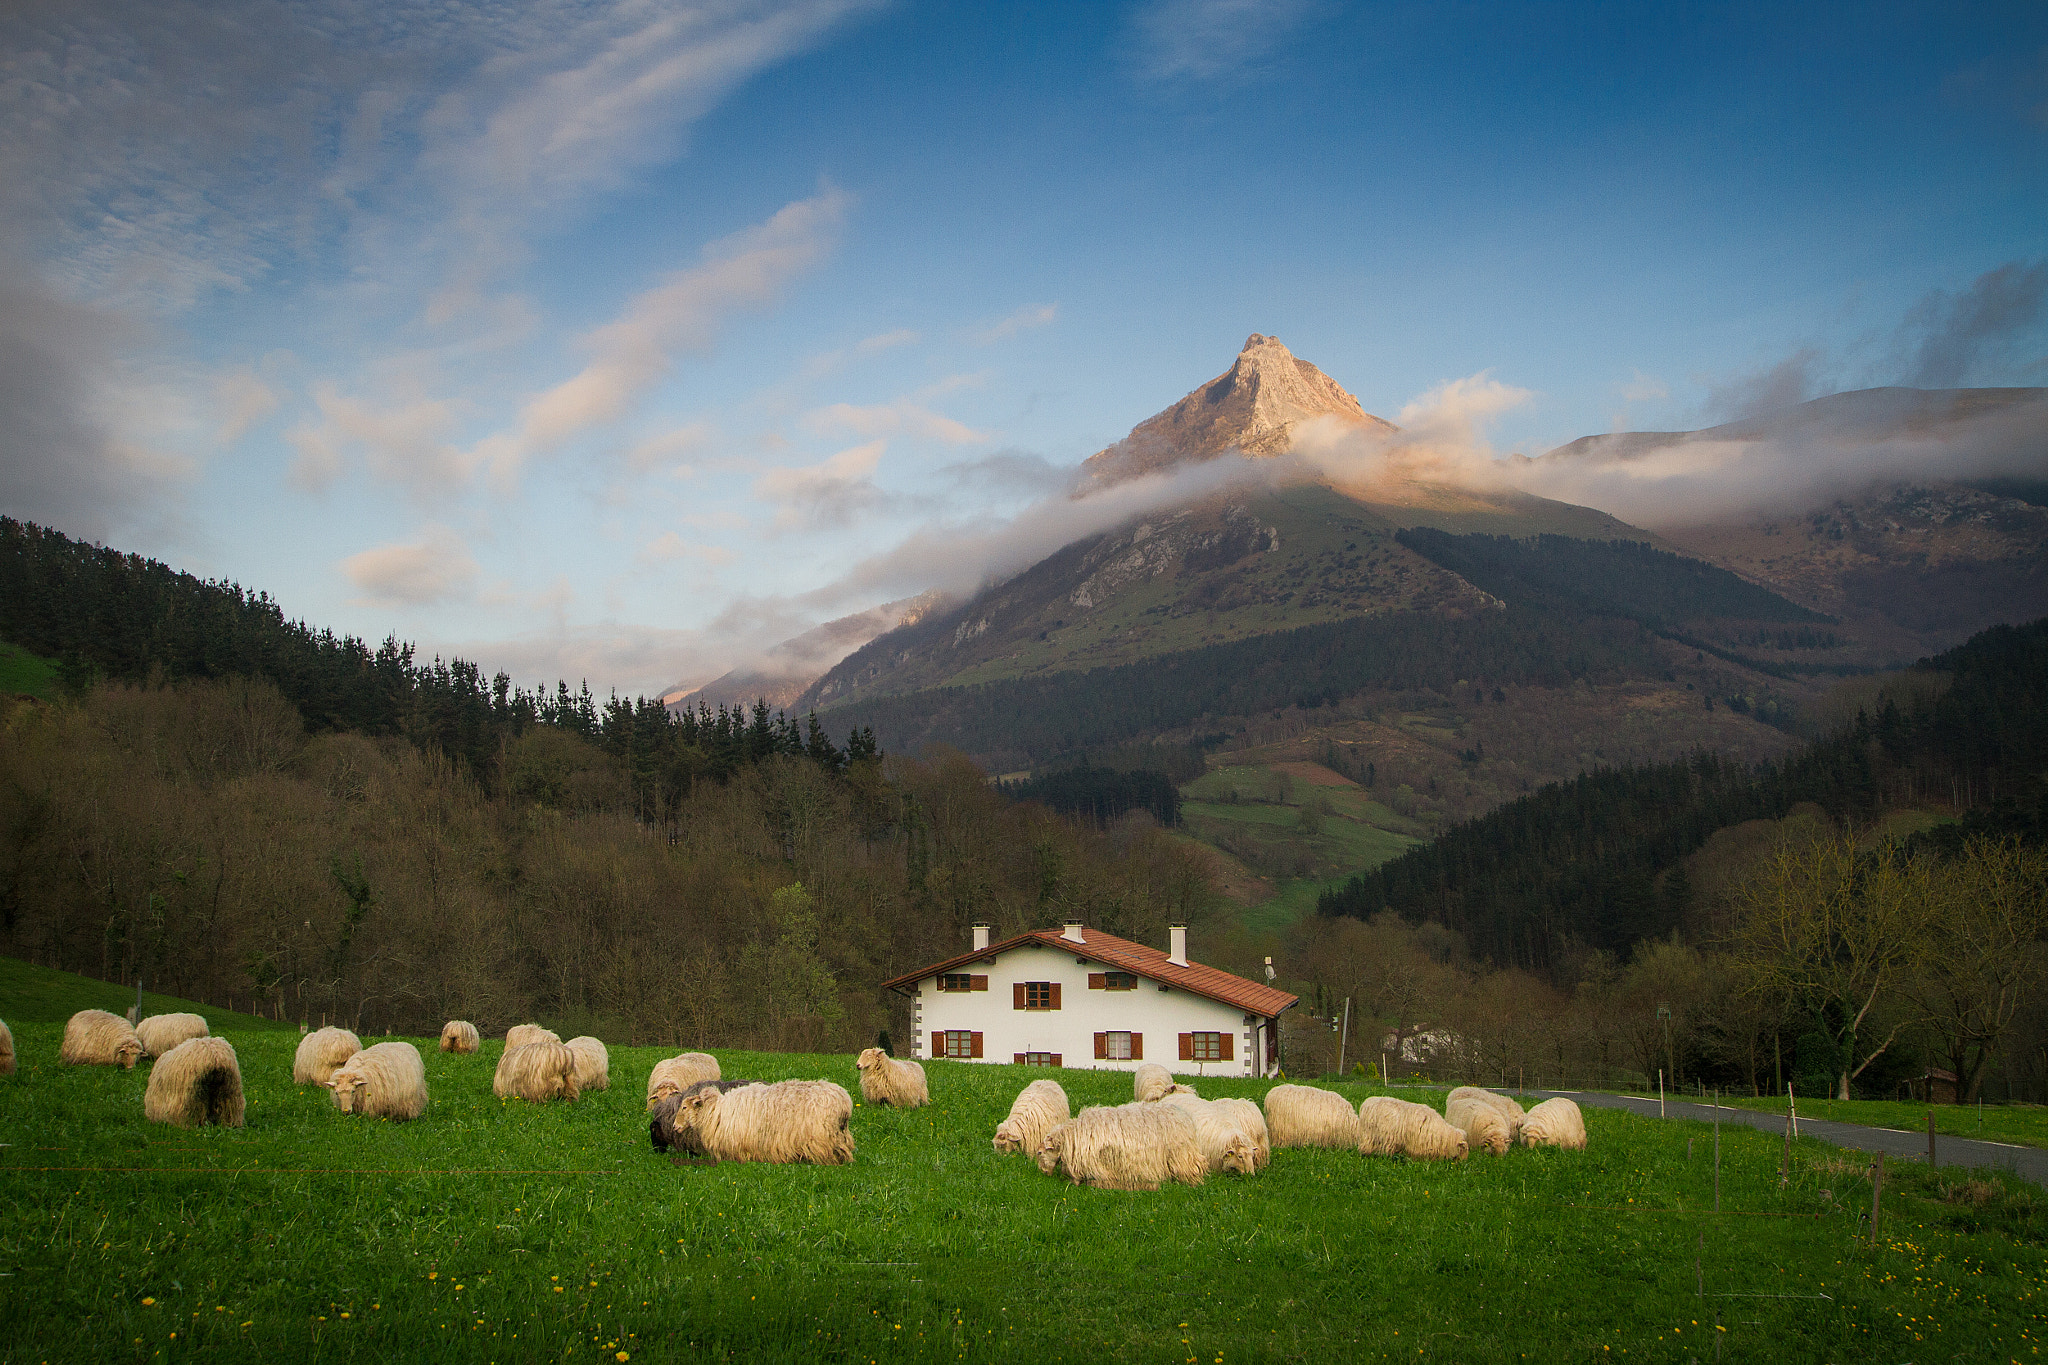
1555, 1123
1391, 1127
668, 1123
197, 1082
6, 1050
1227, 1143
519, 1035
160, 1033
459, 1035
1253, 1121
320, 1052
896, 1082
673, 1075
1038, 1109
1509, 1110
1152, 1082
387, 1081
1484, 1125
97, 1038
1306, 1116
536, 1071
784, 1122
593, 1063
1134, 1146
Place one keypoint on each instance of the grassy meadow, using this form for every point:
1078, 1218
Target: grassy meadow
501, 1231
2023, 1124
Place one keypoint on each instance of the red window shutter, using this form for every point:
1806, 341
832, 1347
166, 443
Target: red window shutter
1226, 1040
1097, 980
974, 1044
1019, 1059
1187, 1047
1058, 1060
1055, 995
980, 983
1137, 1047
1017, 998
1102, 1045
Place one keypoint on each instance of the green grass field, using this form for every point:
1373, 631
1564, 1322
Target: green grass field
500, 1231
26, 674
31, 994
2025, 1124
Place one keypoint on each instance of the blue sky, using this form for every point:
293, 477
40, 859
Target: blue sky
619, 339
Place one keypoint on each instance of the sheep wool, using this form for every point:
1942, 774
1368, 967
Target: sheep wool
1555, 1123
519, 1035
320, 1052
1220, 1130
668, 1126
593, 1063
160, 1033
1485, 1127
197, 1082
388, 1081
1391, 1127
1039, 1108
1305, 1116
97, 1038
6, 1050
1253, 1121
459, 1035
788, 1121
896, 1082
536, 1071
1509, 1110
673, 1075
1152, 1082
1136, 1146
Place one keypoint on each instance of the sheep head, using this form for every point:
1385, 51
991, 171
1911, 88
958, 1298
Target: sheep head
1240, 1157
1008, 1139
869, 1059
1464, 1150
128, 1053
1049, 1150
348, 1088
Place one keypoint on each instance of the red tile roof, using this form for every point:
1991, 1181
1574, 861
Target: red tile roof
1125, 956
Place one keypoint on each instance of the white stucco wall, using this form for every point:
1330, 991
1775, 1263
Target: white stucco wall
1162, 1016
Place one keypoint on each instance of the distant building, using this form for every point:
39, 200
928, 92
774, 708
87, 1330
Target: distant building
1077, 997
1932, 1086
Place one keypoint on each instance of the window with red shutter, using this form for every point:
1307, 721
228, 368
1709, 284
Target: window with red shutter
1058, 1060
980, 983
1228, 1040
1018, 1059
974, 1044
1095, 980
1187, 1047
1055, 996
1102, 1046
1137, 1047
1017, 998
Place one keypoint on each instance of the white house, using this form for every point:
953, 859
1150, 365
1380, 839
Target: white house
1079, 997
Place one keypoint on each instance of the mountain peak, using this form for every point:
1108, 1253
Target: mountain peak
1252, 408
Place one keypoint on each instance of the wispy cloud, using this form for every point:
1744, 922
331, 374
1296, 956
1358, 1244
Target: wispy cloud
434, 569
830, 493
1203, 40
902, 417
1023, 320
1950, 339
669, 546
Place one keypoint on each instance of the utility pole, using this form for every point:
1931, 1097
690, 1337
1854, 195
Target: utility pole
1344, 1035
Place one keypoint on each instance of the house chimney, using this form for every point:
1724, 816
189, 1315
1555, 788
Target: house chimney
1072, 931
1177, 944
980, 937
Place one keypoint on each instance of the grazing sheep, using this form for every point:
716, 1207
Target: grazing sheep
1391, 1127
459, 1035
1555, 1123
1253, 1120
320, 1052
593, 1063
1132, 1146
1152, 1081
1484, 1125
96, 1038
519, 1035
537, 1072
6, 1050
1038, 1109
388, 1081
1509, 1110
1305, 1116
160, 1033
1227, 1144
197, 1082
784, 1122
891, 1081
673, 1075
669, 1127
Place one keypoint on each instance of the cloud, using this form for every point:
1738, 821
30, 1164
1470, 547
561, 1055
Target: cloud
436, 568
903, 417
885, 341
669, 547
830, 493
242, 400
1951, 338
1791, 380
668, 449
1203, 40
1010, 471
1023, 320
404, 444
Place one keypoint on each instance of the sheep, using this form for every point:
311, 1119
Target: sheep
673, 1075
160, 1033
320, 1052
96, 1038
784, 1122
6, 1050
1391, 1127
1128, 1147
521, 1034
1227, 1144
197, 1082
459, 1035
1509, 1110
1253, 1122
388, 1081
1038, 1108
668, 1127
1152, 1081
1555, 1123
537, 1072
891, 1081
1484, 1125
593, 1063
1305, 1116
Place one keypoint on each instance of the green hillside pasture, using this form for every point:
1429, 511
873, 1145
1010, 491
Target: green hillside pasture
32, 994
26, 674
501, 1231
2024, 1124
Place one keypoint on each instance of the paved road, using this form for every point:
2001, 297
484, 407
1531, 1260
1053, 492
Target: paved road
2030, 1162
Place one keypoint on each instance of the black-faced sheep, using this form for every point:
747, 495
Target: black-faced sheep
1509, 1110
97, 1038
1391, 1127
1133, 1146
891, 1081
673, 1075
593, 1064
459, 1035
387, 1081
536, 1071
669, 1126
1227, 1142
784, 1122
1555, 1123
519, 1035
1305, 1116
6, 1050
320, 1052
197, 1082
1485, 1127
1152, 1081
160, 1033
1039, 1108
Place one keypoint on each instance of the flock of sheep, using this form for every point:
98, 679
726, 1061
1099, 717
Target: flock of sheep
1168, 1133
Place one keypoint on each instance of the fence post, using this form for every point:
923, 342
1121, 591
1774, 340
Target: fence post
1717, 1156
1660, 1092
1930, 1139
1876, 1194
1785, 1165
